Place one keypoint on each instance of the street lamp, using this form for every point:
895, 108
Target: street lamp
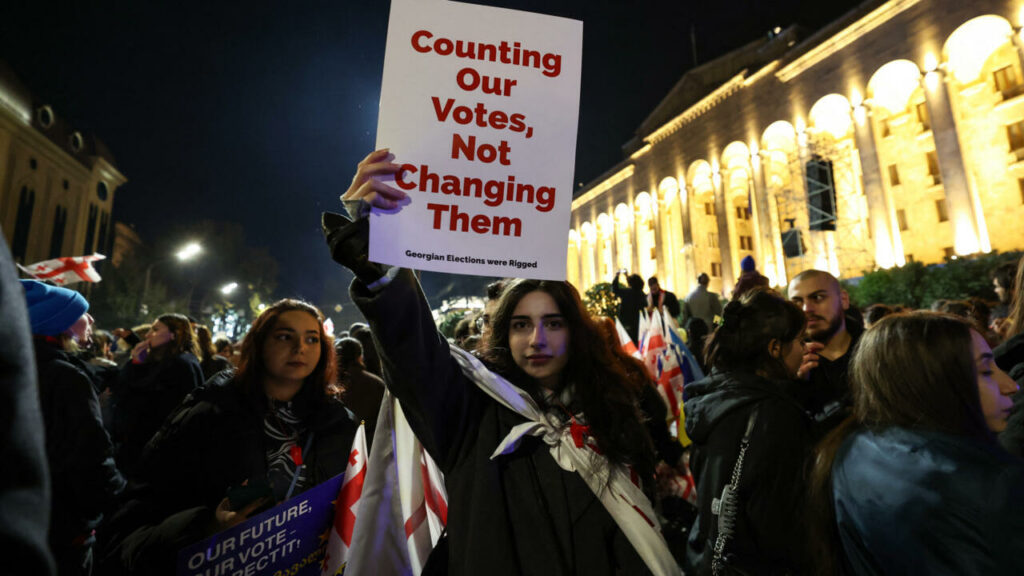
184, 254
228, 288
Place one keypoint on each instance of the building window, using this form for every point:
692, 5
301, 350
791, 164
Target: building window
654, 255
101, 191
742, 213
1015, 134
1007, 82
901, 217
933, 168
22, 223
922, 116
712, 240
66, 184
940, 207
886, 128
709, 208
894, 175
60, 220
746, 243
716, 269
90, 229
948, 252
32, 163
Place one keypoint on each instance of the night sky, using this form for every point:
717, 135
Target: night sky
257, 114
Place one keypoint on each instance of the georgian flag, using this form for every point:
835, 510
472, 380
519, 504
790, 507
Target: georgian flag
65, 270
346, 508
405, 505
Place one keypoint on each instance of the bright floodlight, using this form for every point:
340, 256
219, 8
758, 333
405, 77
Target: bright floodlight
189, 251
228, 288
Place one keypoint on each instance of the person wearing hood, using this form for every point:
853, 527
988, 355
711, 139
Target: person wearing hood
750, 435
749, 279
85, 480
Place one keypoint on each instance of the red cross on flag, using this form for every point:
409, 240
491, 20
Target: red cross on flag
65, 270
346, 508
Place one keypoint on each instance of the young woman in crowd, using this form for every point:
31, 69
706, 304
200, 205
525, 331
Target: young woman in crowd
210, 361
914, 482
537, 443
163, 369
751, 434
271, 424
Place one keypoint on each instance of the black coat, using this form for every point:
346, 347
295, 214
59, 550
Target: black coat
517, 514
24, 477
84, 479
914, 502
145, 395
631, 302
769, 533
214, 441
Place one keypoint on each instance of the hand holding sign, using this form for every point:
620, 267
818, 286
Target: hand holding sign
367, 186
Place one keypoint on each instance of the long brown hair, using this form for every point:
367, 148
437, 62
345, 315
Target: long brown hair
184, 339
205, 341
251, 369
913, 370
601, 389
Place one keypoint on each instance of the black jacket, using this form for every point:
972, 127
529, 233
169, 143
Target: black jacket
916, 502
516, 514
631, 302
85, 480
769, 535
145, 395
214, 441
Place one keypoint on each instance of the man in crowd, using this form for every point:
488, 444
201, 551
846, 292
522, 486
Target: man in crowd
657, 298
832, 340
703, 304
631, 301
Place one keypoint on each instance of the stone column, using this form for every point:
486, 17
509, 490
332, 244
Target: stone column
724, 239
888, 246
966, 237
767, 229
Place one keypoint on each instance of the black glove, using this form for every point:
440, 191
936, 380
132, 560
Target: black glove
350, 246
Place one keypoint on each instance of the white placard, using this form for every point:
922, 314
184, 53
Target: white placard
480, 105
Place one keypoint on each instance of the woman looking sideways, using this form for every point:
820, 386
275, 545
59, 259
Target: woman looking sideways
536, 443
750, 433
915, 482
271, 424
164, 368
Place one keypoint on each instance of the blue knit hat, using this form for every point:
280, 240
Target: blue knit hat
747, 264
52, 309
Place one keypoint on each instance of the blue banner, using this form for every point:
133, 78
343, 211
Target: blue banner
288, 540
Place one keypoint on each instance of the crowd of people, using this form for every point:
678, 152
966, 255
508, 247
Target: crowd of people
823, 439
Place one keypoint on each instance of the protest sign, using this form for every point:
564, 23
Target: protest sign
480, 107
288, 539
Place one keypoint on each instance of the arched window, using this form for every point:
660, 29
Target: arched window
22, 223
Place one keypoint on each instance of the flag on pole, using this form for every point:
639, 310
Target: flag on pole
346, 508
65, 270
670, 382
625, 341
654, 343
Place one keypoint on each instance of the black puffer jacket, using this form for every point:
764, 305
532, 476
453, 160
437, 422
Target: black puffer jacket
145, 395
769, 537
215, 440
84, 478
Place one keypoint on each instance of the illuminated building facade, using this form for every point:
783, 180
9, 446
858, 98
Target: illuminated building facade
57, 185
894, 134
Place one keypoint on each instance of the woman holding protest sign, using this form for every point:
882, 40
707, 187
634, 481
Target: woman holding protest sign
242, 442
546, 460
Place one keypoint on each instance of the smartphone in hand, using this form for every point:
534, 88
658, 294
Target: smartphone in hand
250, 491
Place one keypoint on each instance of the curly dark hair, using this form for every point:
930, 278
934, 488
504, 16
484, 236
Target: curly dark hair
602, 388
748, 325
